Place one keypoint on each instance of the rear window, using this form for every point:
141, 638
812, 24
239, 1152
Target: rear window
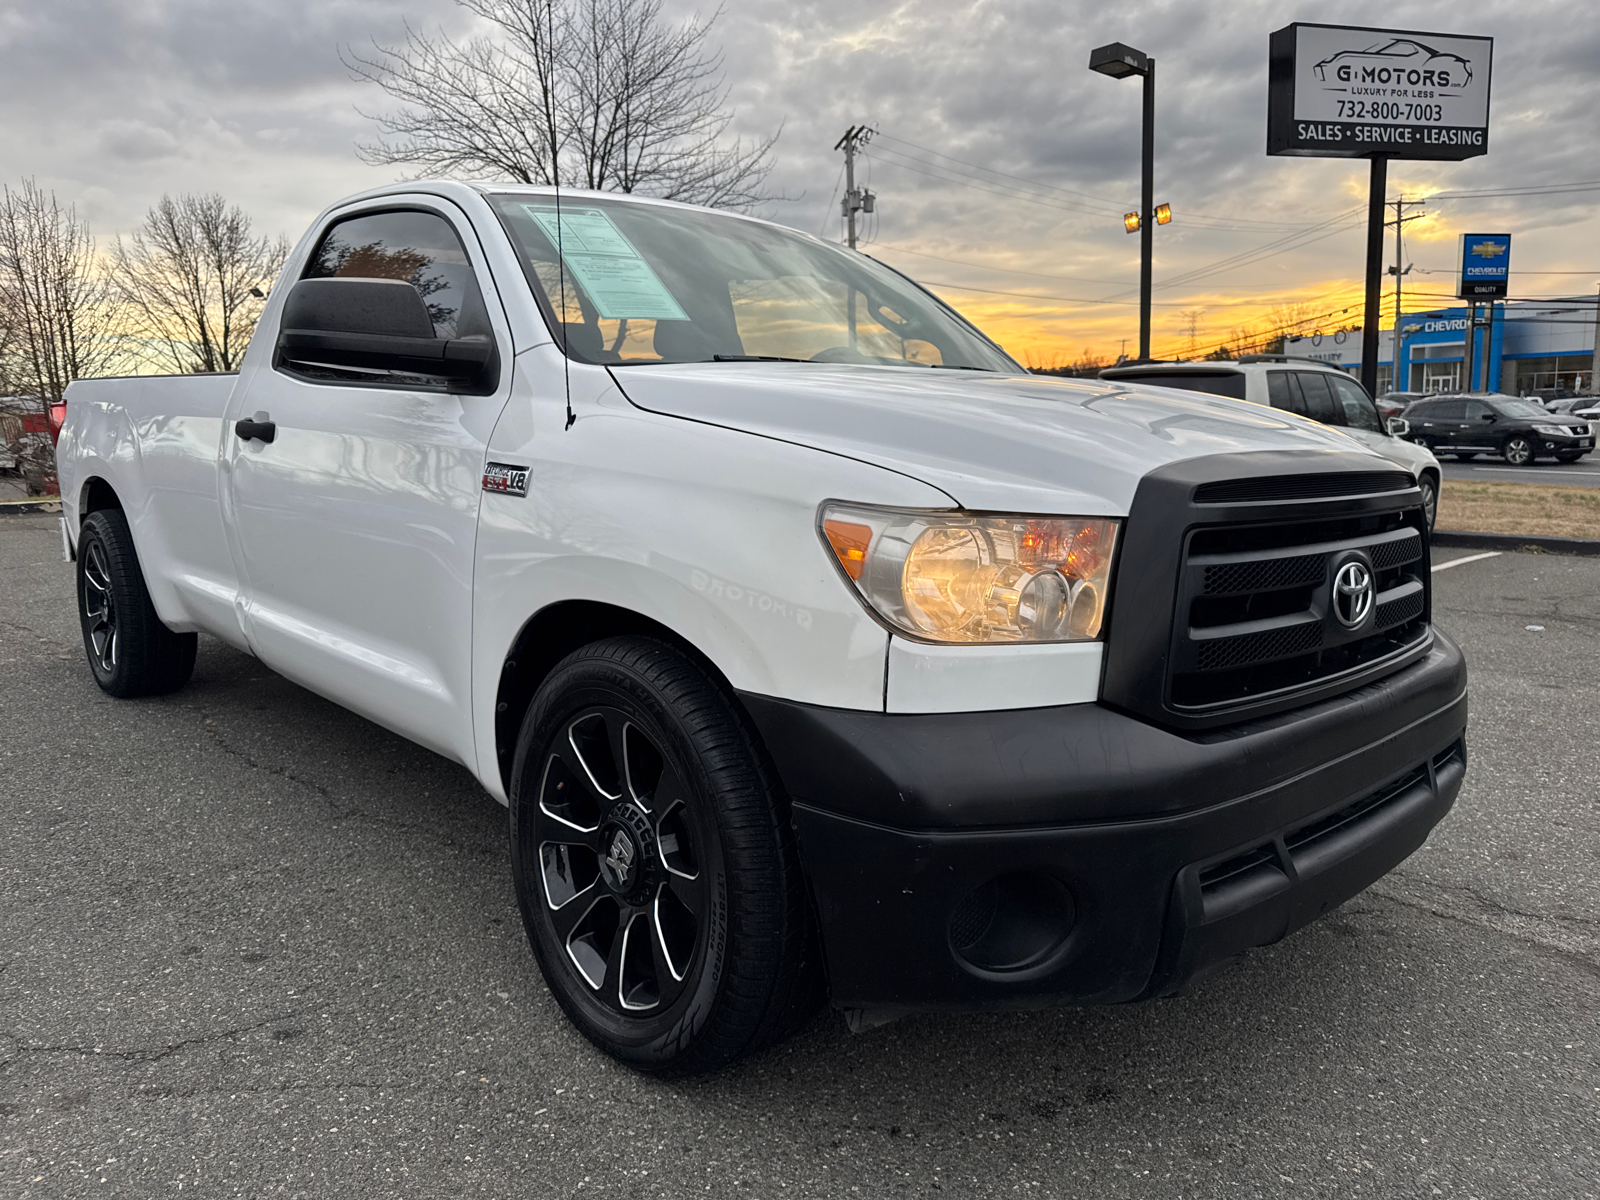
1215, 383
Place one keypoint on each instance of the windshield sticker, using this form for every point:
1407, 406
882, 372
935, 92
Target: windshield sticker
622, 285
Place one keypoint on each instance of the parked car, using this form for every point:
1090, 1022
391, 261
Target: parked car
1394, 404
1518, 430
1551, 396
815, 646
1569, 404
1307, 388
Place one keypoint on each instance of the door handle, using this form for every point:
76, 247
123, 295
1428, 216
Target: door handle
247, 429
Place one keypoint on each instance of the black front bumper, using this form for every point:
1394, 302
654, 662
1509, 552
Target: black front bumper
1078, 855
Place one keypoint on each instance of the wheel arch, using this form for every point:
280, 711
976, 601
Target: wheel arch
547, 637
96, 494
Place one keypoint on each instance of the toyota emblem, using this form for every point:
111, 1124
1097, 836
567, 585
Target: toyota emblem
1353, 594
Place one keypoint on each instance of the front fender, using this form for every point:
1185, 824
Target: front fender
704, 530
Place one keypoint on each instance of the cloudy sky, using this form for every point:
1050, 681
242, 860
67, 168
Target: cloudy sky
1001, 164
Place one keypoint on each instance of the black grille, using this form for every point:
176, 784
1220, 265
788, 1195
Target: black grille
1264, 575
1222, 608
1302, 487
1254, 605
1220, 653
1398, 612
1393, 553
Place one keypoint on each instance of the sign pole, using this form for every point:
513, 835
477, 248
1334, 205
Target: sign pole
1369, 330
1470, 375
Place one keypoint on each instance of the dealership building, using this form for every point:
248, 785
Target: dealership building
1528, 343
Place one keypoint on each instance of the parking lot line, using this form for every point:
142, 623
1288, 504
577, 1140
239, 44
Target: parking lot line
1456, 562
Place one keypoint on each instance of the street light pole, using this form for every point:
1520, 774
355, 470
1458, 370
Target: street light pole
1147, 207
1119, 61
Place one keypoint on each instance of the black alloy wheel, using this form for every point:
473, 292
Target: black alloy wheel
658, 884
623, 864
131, 653
1518, 450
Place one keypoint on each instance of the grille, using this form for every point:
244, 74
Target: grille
974, 915
1265, 867
1302, 487
1220, 653
1398, 612
1401, 550
1253, 615
1264, 575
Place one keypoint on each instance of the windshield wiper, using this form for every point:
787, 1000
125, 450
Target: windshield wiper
955, 367
752, 358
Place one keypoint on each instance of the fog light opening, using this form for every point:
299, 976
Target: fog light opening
1012, 922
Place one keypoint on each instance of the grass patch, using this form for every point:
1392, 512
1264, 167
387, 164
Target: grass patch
1530, 508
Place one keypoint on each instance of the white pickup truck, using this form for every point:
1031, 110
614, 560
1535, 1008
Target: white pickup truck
815, 647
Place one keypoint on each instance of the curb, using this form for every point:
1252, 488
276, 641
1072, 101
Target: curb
38, 504
1531, 542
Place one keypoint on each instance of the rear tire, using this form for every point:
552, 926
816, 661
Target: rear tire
131, 653
649, 834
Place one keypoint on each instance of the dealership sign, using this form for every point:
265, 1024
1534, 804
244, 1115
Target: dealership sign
1342, 91
1484, 266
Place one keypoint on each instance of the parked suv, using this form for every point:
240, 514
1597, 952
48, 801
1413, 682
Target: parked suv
1307, 388
1519, 431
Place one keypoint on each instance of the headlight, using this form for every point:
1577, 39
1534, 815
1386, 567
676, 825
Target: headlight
945, 576
1553, 430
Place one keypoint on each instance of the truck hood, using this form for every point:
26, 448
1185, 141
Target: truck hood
1017, 443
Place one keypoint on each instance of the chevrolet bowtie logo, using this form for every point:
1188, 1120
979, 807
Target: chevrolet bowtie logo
1488, 249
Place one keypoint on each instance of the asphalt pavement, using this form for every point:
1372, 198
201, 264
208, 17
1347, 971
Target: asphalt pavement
1583, 473
252, 945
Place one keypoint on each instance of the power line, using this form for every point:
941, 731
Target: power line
1113, 207
961, 262
961, 287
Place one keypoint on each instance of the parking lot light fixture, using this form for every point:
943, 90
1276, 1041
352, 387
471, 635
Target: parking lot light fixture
1119, 61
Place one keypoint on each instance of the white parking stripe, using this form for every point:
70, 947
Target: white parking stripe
1456, 562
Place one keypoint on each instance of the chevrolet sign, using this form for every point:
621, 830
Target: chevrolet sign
1484, 266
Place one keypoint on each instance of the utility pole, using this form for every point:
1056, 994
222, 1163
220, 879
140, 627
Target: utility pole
1396, 384
855, 200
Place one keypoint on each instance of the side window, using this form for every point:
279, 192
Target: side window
418, 247
1359, 411
1477, 410
1449, 410
1284, 393
1320, 402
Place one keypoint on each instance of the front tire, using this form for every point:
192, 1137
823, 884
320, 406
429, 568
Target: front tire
1430, 498
654, 863
1518, 451
131, 653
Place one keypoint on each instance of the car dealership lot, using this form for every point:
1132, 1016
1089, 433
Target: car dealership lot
254, 945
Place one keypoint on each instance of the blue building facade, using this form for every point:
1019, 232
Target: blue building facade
1524, 346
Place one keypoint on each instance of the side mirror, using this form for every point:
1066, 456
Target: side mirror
375, 326
1486, 417
1398, 427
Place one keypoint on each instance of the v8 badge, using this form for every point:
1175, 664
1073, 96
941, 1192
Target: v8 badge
505, 478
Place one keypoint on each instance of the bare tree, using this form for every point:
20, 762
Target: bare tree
191, 280
600, 94
56, 311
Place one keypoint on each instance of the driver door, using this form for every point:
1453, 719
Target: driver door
354, 527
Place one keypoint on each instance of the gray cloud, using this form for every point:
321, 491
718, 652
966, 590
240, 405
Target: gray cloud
113, 102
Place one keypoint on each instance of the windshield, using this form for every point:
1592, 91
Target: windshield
645, 283
1521, 408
